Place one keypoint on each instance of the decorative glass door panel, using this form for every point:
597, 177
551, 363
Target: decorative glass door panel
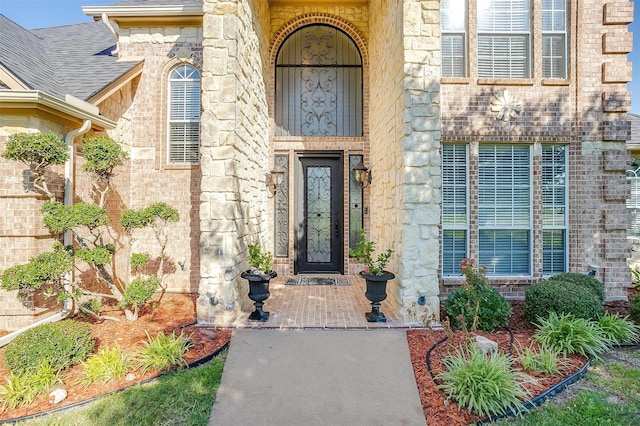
320, 224
318, 214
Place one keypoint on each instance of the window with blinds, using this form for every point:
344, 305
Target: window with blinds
453, 15
554, 209
504, 209
454, 207
554, 38
184, 115
504, 34
633, 203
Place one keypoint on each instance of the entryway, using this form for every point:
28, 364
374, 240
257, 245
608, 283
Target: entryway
319, 213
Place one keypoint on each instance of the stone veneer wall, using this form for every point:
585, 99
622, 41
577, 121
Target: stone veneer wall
235, 151
22, 234
405, 145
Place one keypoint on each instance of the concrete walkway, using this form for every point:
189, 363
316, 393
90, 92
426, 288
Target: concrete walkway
318, 377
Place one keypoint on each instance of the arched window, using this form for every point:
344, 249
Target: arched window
318, 84
184, 115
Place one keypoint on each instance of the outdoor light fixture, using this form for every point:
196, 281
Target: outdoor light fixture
361, 174
276, 176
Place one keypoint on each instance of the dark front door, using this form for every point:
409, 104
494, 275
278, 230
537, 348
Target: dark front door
319, 214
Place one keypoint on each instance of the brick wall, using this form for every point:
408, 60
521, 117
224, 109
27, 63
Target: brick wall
586, 111
22, 234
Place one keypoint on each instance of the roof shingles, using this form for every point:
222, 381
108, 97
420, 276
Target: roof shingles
71, 59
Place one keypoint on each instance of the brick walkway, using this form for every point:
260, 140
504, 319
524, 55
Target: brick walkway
320, 306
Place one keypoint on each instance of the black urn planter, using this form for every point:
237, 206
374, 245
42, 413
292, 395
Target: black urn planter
376, 292
258, 292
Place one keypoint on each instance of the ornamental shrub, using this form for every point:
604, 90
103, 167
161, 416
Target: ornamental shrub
618, 330
62, 344
634, 308
557, 296
584, 281
476, 306
570, 335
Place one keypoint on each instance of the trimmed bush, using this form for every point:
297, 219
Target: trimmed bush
62, 344
557, 296
583, 281
493, 308
634, 308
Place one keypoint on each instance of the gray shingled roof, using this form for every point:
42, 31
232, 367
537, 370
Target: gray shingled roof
157, 3
71, 59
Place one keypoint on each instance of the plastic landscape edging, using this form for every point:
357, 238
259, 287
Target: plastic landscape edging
193, 364
532, 403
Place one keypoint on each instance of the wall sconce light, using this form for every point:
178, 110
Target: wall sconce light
276, 177
361, 174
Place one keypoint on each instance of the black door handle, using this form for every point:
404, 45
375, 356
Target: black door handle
337, 228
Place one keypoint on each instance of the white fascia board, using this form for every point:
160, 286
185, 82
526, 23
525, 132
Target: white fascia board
35, 97
141, 11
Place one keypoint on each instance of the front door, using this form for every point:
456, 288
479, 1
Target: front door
319, 214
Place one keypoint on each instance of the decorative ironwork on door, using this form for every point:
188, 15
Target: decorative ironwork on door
319, 214
318, 84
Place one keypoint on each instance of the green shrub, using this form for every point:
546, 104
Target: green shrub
493, 309
618, 330
22, 389
140, 290
570, 335
482, 384
543, 359
549, 296
476, 306
107, 364
583, 281
634, 308
63, 344
163, 352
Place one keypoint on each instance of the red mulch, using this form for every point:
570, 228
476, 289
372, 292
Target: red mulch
438, 410
176, 313
173, 313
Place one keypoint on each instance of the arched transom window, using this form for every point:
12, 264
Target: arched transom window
184, 115
318, 84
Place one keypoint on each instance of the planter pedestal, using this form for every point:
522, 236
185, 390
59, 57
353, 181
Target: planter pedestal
258, 292
376, 292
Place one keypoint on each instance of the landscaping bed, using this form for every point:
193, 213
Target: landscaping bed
170, 313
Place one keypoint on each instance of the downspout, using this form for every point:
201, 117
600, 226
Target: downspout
68, 200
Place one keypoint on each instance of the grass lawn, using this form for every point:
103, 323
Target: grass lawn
182, 397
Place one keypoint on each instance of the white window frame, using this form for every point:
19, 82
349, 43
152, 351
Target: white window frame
633, 203
453, 26
185, 75
499, 37
501, 221
554, 31
455, 225
557, 221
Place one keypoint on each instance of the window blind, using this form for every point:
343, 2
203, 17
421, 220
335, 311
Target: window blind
504, 209
184, 115
554, 209
454, 26
454, 207
504, 38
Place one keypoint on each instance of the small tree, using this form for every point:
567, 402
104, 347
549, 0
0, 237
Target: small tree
90, 224
39, 151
